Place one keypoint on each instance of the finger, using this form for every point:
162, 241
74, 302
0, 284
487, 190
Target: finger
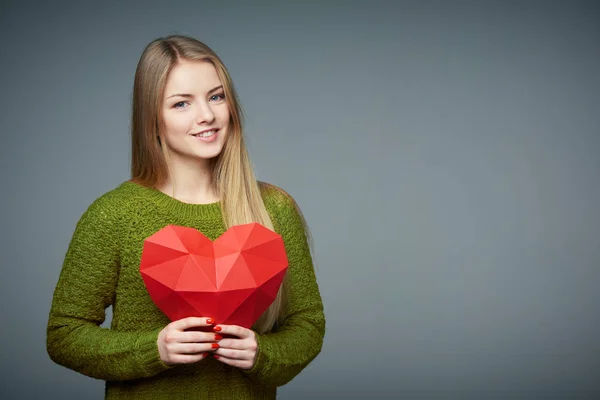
186, 358
234, 354
175, 336
192, 322
243, 364
199, 337
234, 330
236, 344
190, 348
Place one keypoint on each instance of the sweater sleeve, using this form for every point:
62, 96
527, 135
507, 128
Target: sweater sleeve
286, 351
85, 288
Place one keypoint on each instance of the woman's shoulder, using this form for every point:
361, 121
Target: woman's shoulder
285, 213
275, 197
281, 204
115, 201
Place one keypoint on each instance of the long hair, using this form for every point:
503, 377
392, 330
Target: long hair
232, 174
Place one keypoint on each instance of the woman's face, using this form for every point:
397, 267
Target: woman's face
195, 112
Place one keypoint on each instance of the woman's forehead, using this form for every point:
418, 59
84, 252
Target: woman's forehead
192, 77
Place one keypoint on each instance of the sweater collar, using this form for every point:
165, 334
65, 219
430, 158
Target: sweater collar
172, 205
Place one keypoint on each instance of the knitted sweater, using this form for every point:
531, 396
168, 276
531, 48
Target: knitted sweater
101, 268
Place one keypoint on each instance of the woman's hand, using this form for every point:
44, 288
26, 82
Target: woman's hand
178, 346
239, 351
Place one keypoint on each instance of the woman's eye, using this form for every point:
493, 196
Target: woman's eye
217, 97
179, 104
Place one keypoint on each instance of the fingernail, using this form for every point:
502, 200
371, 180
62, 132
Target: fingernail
215, 345
210, 321
216, 356
218, 337
217, 329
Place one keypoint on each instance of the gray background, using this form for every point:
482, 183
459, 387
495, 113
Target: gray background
446, 155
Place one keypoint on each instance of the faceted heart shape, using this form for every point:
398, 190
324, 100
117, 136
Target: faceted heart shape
232, 280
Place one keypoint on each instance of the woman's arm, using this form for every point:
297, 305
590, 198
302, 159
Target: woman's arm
285, 352
86, 287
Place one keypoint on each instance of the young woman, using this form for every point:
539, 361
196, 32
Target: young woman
189, 167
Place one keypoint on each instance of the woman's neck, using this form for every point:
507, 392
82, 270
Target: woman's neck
190, 183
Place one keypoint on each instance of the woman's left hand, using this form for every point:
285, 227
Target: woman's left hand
239, 351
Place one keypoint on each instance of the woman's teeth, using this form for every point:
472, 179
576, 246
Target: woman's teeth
205, 134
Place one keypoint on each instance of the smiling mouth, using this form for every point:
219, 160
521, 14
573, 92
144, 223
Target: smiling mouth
205, 134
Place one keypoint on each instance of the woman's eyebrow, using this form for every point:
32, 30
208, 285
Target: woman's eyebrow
190, 95
215, 89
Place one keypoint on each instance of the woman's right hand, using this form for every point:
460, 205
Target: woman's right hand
178, 346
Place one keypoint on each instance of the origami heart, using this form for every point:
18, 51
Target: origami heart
232, 280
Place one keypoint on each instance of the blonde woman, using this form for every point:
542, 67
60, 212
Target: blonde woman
189, 167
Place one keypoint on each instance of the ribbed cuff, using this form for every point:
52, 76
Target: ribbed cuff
148, 356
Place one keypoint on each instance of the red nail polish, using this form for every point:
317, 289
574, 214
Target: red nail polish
215, 345
218, 337
210, 321
217, 329
216, 356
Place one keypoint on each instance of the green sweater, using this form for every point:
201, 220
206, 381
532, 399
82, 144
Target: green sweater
101, 268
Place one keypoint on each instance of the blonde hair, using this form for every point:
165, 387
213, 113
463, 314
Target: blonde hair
233, 177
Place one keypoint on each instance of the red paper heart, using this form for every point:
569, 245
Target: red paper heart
232, 280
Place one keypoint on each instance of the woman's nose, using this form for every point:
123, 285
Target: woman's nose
205, 114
